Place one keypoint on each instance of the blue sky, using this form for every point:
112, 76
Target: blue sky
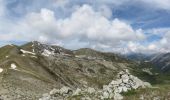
109, 25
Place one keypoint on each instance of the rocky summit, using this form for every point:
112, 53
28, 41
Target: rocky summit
37, 71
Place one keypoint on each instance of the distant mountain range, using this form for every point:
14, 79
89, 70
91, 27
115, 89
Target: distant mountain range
160, 61
138, 56
37, 71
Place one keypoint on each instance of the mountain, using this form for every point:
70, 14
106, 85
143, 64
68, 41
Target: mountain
138, 56
161, 62
47, 72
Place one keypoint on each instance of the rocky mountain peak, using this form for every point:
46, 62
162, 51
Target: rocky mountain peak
46, 49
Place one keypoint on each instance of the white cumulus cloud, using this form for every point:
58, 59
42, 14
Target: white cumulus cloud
84, 25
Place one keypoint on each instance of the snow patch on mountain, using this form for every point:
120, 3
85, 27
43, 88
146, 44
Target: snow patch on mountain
49, 50
147, 70
27, 52
53, 52
1, 70
48, 53
23, 55
11, 44
33, 46
13, 66
33, 56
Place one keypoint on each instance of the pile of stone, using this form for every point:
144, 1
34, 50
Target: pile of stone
65, 92
124, 83
57, 94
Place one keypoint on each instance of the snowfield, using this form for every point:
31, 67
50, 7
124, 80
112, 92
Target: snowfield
1, 70
13, 66
27, 52
47, 53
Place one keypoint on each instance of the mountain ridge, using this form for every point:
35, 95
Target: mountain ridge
35, 68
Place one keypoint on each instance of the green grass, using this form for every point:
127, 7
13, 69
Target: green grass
4, 51
161, 91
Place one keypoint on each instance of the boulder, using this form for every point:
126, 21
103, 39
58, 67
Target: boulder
77, 91
54, 91
105, 95
91, 90
65, 90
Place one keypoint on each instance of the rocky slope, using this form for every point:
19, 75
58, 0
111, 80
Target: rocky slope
30, 70
125, 82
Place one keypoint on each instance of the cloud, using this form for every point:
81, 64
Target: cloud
2, 8
60, 3
105, 11
84, 25
162, 4
137, 47
160, 45
158, 4
166, 40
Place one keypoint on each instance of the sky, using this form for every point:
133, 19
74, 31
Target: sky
122, 26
